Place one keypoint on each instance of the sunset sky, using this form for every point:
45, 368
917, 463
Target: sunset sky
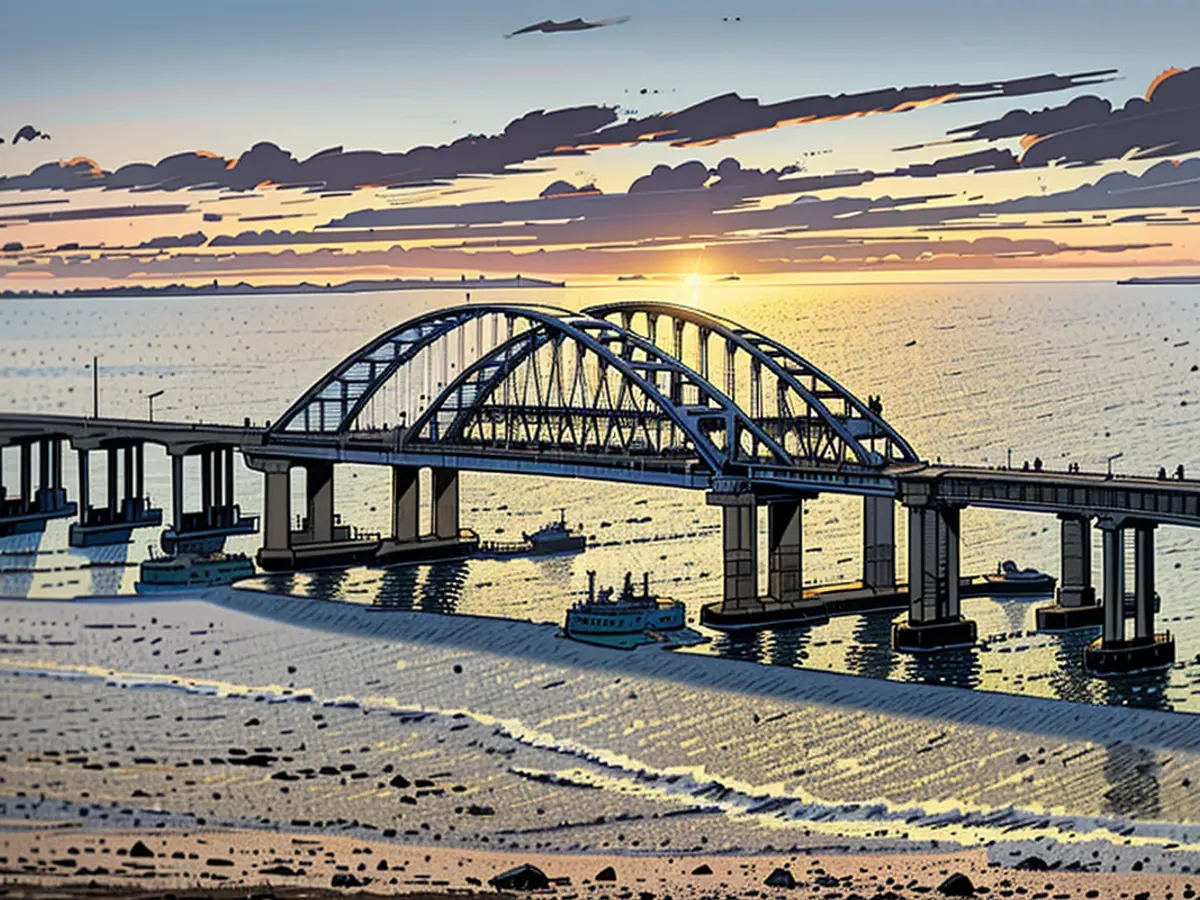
273, 141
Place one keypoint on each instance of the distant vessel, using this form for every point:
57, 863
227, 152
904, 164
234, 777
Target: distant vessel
733, 277
625, 622
631, 278
553, 537
1009, 581
189, 571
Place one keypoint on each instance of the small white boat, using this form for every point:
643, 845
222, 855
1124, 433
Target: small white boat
1009, 581
553, 537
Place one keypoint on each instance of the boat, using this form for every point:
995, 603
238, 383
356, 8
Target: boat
626, 621
189, 571
553, 537
1008, 581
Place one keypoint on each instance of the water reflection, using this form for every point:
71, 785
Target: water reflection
1069, 680
1132, 774
871, 653
1146, 691
958, 667
443, 587
776, 647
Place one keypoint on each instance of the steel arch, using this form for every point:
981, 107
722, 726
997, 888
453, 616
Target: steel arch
789, 367
447, 417
350, 385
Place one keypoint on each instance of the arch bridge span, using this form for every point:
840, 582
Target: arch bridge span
602, 393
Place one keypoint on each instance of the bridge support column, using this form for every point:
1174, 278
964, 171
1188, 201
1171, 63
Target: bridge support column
879, 543
740, 535
84, 485
934, 618
206, 487
177, 492
445, 503
785, 537
1114, 653
406, 503
26, 474
320, 500
1076, 606
277, 506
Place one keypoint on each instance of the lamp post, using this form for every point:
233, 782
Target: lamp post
1010, 458
150, 401
95, 387
1110, 462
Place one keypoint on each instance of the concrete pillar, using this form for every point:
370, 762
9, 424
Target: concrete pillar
277, 510
1143, 580
1075, 584
84, 486
139, 468
128, 492
406, 503
56, 464
445, 503
26, 473
229, 476
44, 463
1114, 581
111, 475
177, 492
319, 480
933, 564
785, 537
206, 486
740, 527
879, 543
218, 471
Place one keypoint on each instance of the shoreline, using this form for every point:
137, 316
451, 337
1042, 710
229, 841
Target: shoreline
198, 862
243, 288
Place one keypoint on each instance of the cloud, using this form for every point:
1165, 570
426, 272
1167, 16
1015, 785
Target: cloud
102, 212
562, 188
686, 176
549, 26
1088, 130
538, 135
29, 133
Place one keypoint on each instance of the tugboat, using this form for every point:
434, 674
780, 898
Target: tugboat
1009, 581
553, 537
189, 571
625, 622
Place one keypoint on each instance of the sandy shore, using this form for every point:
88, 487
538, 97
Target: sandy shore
54, 862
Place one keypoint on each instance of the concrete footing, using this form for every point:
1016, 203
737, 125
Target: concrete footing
1058, 618
765, 612
366, 552
928, 637
1116, 658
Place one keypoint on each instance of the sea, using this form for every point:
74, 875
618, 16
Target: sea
980, 374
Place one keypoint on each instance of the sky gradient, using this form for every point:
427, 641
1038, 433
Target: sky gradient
841, 141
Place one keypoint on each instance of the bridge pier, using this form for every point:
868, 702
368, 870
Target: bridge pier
741, 606
879, 544
445, 503
29, 511
785, 536
406, 503
1114, 653
320, 516
219, 517
126, 506
935, 620
1076, 605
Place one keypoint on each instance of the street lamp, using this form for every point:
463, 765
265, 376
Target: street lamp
150, 400
1110, 462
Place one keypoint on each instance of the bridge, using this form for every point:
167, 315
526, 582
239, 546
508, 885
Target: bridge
643, 392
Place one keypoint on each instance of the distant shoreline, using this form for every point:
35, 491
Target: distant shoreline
215, 289
1164, 279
